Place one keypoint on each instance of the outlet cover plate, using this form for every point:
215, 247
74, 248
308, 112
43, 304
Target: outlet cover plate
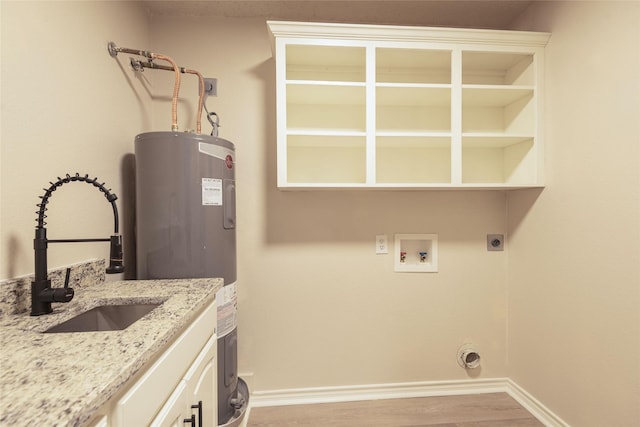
495, 242
211, 86
382, 245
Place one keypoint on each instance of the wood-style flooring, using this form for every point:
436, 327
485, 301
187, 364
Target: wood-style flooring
477, 410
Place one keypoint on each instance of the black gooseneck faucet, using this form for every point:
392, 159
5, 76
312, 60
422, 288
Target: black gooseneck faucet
42, 294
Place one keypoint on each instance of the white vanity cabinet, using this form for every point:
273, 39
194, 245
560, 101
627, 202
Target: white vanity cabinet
194, 398
99, 421
370, 106
169, 392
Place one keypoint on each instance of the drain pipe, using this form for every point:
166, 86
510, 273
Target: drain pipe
113, 51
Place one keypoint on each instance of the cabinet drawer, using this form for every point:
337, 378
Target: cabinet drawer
149, 393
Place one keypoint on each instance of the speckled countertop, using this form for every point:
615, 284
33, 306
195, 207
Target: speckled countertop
63, 379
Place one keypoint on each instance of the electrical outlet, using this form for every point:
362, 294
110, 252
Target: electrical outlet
382, 246
211, 87
495, 242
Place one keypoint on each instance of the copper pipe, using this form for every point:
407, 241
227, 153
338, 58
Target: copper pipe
176, 89
200, 97
139, 64
113, 51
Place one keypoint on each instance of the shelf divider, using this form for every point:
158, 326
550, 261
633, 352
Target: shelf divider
456, 116
371, 113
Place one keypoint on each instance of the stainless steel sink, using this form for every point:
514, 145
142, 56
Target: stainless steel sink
104, 318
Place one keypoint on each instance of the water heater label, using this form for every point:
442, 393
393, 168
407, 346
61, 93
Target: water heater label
211, 192
227, 301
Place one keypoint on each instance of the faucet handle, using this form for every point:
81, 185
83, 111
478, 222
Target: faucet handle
116, 264
66, 293
62, 294
66, 278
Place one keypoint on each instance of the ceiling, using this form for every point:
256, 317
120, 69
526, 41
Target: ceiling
495, 14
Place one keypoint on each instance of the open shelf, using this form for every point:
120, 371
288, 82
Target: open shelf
413, 159
326, 94
498, 160
488, 140
313, 118
498, 110
395, 65
412, 119
326, 159
326, 107
497, 68
414, 95
325, 63
413, 109
494, 96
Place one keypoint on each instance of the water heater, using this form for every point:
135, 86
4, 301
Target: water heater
185, 228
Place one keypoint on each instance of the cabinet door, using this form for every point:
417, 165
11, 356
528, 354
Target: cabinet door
175, 410
195, 395
102, 421
202, 387
158, 384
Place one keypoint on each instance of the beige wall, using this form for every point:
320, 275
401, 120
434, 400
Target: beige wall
67, 107
574, 256
317, 306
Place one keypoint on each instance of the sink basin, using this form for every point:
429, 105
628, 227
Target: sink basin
104, 318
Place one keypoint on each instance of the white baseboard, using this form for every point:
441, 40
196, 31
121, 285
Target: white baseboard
533, 405
301, 396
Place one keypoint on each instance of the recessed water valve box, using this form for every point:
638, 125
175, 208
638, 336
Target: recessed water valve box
417, 253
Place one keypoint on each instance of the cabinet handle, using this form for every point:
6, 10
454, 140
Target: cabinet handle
191, 420
199, 408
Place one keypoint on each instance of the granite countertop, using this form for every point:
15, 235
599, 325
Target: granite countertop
62, 379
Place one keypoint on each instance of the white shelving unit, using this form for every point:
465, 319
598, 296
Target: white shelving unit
369, 106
